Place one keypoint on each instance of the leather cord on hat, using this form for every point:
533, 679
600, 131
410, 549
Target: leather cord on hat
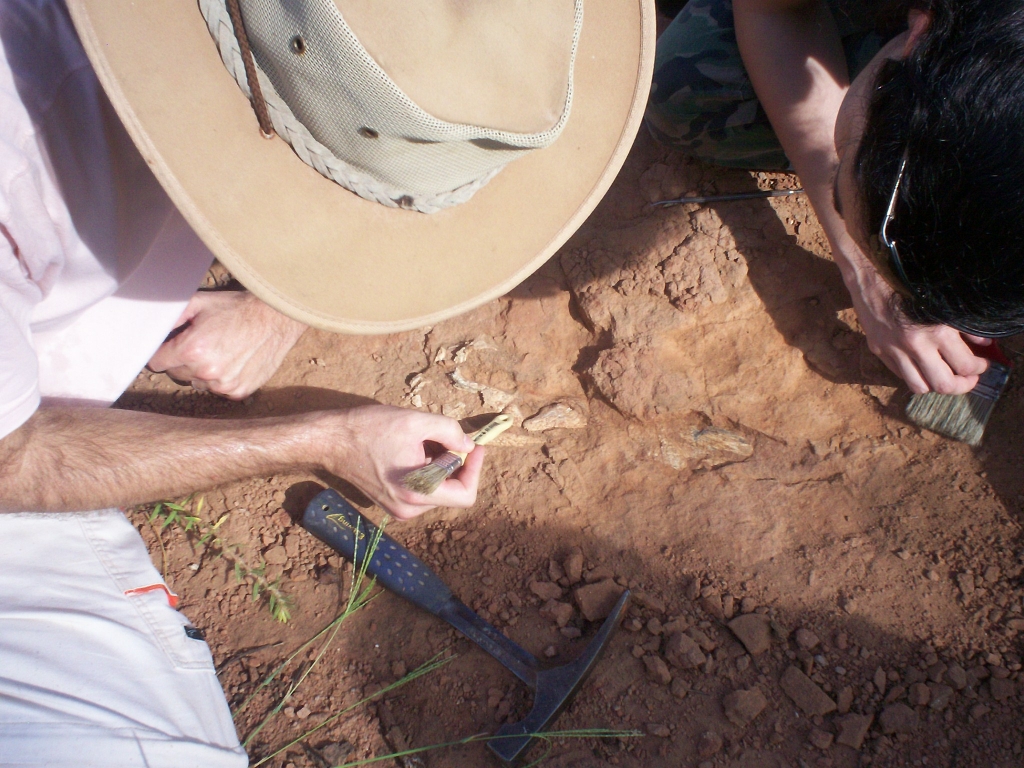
259, 104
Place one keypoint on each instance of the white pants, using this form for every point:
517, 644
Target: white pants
90, 675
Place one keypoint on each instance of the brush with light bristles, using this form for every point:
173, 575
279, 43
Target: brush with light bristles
963, 417
427, 479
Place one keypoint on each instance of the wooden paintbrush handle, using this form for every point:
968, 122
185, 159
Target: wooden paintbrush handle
495, 427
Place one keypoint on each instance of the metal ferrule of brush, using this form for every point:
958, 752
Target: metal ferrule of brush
448, 461
991, 383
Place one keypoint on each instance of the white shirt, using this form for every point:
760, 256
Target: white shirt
96, 263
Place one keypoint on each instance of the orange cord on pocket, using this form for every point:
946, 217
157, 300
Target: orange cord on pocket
172, 599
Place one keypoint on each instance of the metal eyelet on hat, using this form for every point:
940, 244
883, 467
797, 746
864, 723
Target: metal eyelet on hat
297, 45
368, 133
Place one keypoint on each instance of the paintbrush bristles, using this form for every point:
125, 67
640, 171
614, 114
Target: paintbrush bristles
961, 417
428, 479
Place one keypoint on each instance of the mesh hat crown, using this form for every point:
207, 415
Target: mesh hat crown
346, 114
482, 87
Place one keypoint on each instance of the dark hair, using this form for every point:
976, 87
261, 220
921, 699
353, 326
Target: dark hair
955, 106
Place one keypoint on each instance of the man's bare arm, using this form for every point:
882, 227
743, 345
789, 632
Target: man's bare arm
71, 459
794, 56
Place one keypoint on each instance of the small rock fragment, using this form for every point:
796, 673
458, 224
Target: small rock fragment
657, 669
728, 606
658, 729
844, 700
753, 630
936, 672
956, 677
712, 605
709, 743
853, 729
655, 627
748, 604
966, 583
979, 710
679, 687
573, 565
701, 639
276, 556
596, 600
742, 706
941, 696
647, 600
806, 639
556, 416
879, 680
557, 611
1001, 688
820, 739
683, 652
551, 651
805, 693
692, 589
398, 669
598, 573
992, 574
545, 590
920, 695
898, 718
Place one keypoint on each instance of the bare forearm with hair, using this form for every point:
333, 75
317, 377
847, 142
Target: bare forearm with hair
71, 459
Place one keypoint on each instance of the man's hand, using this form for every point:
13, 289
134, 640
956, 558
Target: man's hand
930, 358
376, 445
231, 345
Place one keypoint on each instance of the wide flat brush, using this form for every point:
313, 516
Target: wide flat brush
427, 479
963, 417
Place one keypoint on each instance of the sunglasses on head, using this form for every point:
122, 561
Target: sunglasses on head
897, 266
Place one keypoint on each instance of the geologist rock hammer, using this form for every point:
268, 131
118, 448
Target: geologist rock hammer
337, 523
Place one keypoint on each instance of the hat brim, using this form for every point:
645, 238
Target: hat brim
316, 251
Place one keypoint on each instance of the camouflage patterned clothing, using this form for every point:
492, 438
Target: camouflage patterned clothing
702, 101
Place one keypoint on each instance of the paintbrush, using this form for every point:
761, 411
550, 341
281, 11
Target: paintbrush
705, 199
426, 479
963, 417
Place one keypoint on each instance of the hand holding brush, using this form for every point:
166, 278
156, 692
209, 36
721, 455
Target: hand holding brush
426, 479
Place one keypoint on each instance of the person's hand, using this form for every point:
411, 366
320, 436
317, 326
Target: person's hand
374, 446
931, 358
231, 344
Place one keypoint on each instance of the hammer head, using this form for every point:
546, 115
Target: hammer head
554, 692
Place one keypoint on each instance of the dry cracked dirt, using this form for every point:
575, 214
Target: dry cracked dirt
817, 581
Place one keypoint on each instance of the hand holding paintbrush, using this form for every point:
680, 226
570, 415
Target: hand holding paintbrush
426, 479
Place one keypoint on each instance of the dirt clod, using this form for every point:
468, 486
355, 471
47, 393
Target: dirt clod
596, 600
557, 611
546, 590
683, 652
573, 565
753, 630
805, 693
820, 739
853, 729
657, 670
709, 743
898, 718
742, 706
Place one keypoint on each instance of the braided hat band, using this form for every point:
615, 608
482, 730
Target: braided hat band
345, 117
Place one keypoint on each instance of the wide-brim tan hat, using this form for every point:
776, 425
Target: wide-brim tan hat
311, 248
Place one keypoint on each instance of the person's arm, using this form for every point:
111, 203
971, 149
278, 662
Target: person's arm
795, 60
72, 459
